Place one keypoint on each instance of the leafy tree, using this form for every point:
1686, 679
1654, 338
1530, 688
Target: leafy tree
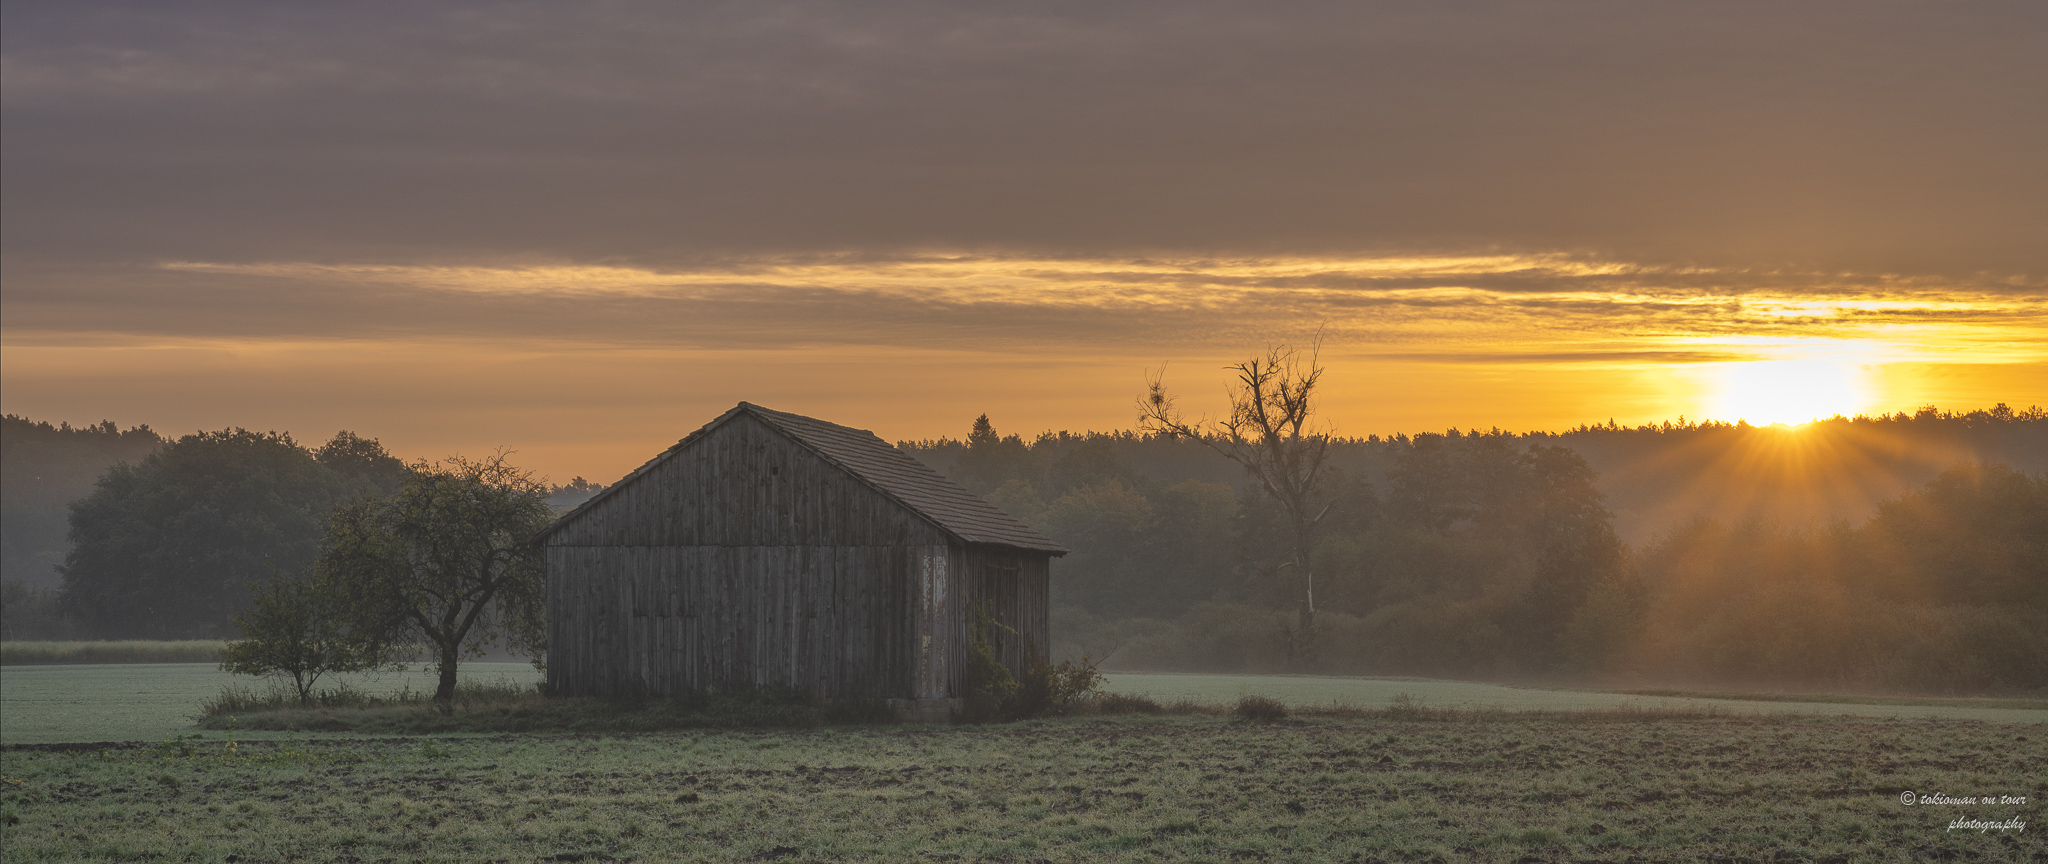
1106, 527
1093, 462
43, 468
1976, 534
446, 562
363, 462
1268, 433
166, 548
31, 613
294, 630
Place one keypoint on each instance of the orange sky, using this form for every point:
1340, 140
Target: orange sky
917, 348
580, 232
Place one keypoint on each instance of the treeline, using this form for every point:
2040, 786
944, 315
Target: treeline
43, 468
1493, 555
1653, 475
167, 547
1462, 554
168, 537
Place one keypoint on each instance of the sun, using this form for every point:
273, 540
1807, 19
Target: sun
1764, 392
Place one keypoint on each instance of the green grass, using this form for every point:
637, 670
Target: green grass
142, 702
1483, 786
1840, 699
1321, 690
57, 653
145, 702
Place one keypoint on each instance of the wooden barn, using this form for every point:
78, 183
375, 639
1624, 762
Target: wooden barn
771, 550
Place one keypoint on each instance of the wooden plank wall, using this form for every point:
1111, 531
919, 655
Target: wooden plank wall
1012, 584
747, 561
835, 621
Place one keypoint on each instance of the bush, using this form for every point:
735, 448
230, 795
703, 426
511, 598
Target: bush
1260, 709
1061, 688
294, 632
991, 689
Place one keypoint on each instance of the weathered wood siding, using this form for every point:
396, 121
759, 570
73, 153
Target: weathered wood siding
835, 621
1012, 585
747, 561
746, 484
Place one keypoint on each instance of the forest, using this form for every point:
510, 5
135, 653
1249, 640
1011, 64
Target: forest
1898, 553
117, 534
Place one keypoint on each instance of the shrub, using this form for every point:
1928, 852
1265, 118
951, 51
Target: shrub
1060, 688
990, 687
1260, 709
294, 633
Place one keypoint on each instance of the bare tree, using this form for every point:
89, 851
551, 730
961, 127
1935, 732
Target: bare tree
1269, 433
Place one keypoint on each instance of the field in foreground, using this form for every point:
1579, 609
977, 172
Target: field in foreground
1472, 787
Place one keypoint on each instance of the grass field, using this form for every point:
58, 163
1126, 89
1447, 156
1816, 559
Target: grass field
1531, 783
1480, 786
146, 702
1381, 692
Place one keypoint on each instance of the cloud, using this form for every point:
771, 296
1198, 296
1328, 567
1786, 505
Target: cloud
1462, 309
1865, 137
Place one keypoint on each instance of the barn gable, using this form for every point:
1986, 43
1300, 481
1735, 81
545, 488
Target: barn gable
805, 504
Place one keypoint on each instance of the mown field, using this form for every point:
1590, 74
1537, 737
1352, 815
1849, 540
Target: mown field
1475, 786
1384, 770
149, 701
146, 702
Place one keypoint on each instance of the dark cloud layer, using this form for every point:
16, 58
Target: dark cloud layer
1878, 137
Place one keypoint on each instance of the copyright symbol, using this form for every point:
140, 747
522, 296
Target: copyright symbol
1906, 798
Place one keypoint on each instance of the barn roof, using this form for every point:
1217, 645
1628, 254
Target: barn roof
894, 473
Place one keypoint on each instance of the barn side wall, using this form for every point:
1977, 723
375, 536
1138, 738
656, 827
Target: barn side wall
1012, 585
834, 621
748, 562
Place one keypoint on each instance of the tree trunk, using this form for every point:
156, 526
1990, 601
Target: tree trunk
1306, 630
445, 693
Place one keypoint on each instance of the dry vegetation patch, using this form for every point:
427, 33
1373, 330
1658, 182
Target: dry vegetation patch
133, 651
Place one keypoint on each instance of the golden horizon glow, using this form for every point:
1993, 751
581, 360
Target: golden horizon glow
1791, 392
589, 369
